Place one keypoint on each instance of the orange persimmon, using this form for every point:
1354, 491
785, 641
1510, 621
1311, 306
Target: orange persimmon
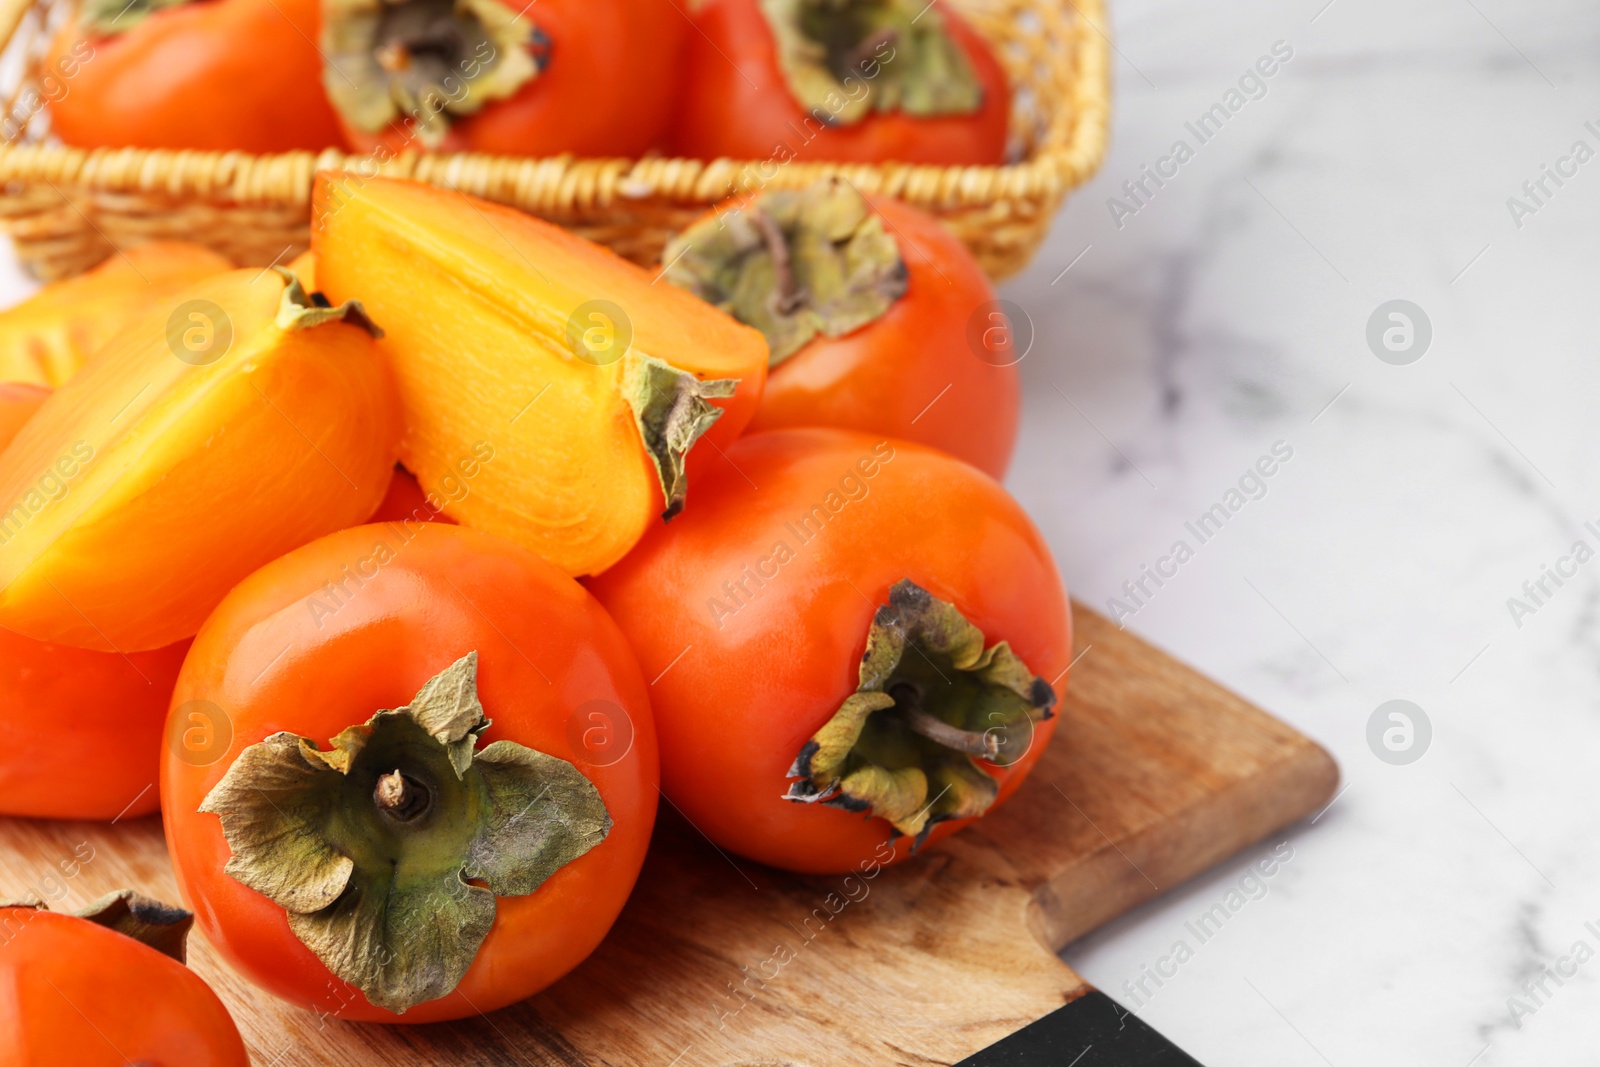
18, 403
304, 267
440, 781
878, 318
117, 706
405, 501
232, 423
47, 337
106, 987
589, 77
215, 75
80, 731
866, 642
512, 338
860, 82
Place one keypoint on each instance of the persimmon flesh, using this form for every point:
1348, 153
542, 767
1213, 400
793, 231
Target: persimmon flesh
146, 487
47, 337
589, 382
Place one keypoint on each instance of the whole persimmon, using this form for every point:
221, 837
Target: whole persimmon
106, 987
439, 780
232, 422
878, 319
205, 74
857, 658
588, 77
862, 82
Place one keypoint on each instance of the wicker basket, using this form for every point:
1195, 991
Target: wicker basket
66, 209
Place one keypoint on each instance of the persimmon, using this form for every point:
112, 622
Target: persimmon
113, 708
106, 987
860, 82
589, 77
205, 74
446, 857
878, 319
47, 337
304, 267
19, 401
232, 423
117, 706
589, 383
405, 500
859, 657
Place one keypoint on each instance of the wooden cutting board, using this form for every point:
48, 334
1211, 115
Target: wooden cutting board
1154, 775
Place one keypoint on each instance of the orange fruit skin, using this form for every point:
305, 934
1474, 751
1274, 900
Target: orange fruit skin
222, 75
73, 992
736, 103
80, 731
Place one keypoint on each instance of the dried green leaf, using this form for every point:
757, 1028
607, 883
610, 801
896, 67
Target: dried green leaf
426, 63
899, 51
793, 264
532, 832
932, 701
146, 920
299, 311
108, 18
672, 409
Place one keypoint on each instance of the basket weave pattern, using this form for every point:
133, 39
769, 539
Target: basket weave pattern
66, 209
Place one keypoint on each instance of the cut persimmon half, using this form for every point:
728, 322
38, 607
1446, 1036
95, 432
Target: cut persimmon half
589, 382
231, 424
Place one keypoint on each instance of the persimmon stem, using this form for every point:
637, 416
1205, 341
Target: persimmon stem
392, 56
984, 745
788, 292
856, 62
400, 797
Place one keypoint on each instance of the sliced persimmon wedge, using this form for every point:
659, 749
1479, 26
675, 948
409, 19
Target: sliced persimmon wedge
234, 422
587, 381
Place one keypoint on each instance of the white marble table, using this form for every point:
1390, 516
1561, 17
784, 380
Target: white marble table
1230, 312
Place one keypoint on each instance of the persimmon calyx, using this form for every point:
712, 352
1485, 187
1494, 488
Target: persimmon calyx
933, 706
673, 409
425, 62
148, 921
107, 18
299, 310
793, 264
845, 59
394, 888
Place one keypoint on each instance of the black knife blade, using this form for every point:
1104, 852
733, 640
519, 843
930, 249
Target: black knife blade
1092, 1031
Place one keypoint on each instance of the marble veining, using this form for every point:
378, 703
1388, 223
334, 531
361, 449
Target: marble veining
1425, 916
